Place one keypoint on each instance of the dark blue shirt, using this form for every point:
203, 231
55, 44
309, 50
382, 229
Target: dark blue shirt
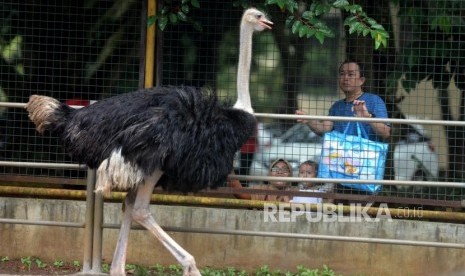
375, 106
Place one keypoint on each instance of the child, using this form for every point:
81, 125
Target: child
309, 169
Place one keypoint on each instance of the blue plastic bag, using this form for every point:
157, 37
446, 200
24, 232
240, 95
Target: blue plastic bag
353, 157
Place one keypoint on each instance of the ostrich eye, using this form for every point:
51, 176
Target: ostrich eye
258, 16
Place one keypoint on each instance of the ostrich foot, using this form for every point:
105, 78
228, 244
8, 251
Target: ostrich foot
117, 272
191, 270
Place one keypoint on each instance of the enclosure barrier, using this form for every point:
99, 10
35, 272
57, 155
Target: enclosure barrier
94, 226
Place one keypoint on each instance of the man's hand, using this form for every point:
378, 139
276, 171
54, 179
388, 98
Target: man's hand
360, 109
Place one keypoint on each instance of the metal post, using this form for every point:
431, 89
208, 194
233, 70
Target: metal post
98, 229
150, 45
89, 222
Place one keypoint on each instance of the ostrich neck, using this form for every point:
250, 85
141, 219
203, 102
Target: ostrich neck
243, 70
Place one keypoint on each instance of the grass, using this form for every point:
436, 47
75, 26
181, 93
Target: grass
27, 265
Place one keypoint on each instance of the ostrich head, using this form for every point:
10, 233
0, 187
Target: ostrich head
252, 20
256, 20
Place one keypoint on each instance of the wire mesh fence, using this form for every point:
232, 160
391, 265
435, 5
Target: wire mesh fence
85, 52
75, 52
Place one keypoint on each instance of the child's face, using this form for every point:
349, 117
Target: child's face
307, 171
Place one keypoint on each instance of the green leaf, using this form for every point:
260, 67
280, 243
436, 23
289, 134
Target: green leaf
350, 20
280, 3
321, 9
296, 26
303, 30
307, 15
355, 9
151, 20
163, 22
185, 9
340, 3
195, 3
320, 36
377, 26
370, 21
182, 16
311, 32
292, 6
173, 18
365, 32
353, 27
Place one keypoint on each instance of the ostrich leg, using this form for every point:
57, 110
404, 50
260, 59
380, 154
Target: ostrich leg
119, 256
142, 215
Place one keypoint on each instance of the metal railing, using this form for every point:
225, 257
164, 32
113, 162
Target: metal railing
93, 223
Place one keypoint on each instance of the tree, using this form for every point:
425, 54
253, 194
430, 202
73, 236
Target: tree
294, 21
435, 50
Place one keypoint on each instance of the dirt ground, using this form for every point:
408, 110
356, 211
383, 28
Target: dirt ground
18, 267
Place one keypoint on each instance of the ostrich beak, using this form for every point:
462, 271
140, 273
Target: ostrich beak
265, 23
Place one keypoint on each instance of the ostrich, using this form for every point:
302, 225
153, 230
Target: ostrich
179, 138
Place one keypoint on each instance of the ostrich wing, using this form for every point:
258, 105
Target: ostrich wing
178, 130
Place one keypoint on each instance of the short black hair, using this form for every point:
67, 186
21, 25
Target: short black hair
310, 163
361, 67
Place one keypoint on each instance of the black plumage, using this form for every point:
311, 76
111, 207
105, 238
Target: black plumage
182, 130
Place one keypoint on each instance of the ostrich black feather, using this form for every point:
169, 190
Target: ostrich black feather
182, 130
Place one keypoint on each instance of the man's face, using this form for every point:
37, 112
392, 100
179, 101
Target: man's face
349, 78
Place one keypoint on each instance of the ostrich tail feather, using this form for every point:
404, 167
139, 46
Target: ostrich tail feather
46, 113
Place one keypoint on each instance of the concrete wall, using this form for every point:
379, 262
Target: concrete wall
244, 252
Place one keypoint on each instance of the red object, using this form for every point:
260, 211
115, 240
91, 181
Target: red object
250, 146
78, 102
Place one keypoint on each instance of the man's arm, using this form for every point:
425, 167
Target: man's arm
380, 128
317, 126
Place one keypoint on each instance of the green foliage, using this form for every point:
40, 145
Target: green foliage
58, 263
27, 262
137, 270
130, 267
105, 268
284, 5
230, 271
39, 263
305, 24
176, 270
310, 22
5, 259
159, 269
175, 12
358, 22
11, 47
303, 271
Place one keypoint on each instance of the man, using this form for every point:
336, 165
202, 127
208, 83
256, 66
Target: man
356, 103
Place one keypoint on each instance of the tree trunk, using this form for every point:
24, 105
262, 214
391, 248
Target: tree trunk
292, 57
